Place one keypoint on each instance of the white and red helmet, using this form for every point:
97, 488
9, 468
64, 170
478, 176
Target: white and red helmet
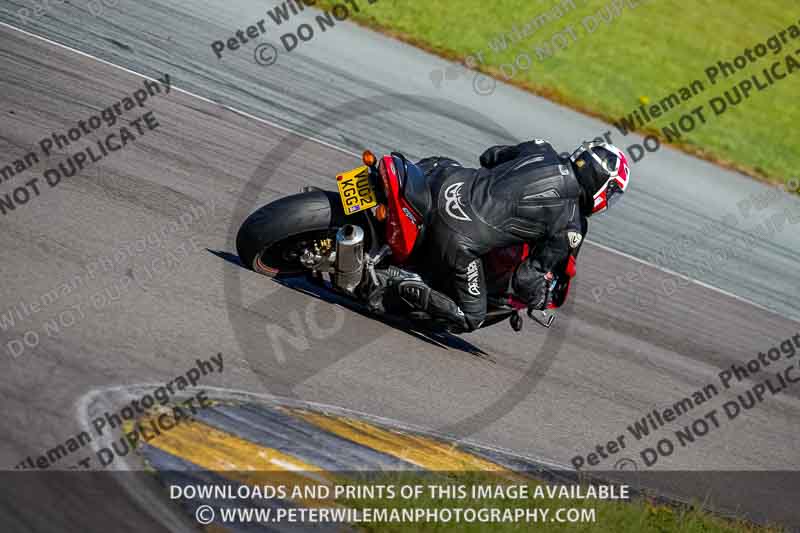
605, 167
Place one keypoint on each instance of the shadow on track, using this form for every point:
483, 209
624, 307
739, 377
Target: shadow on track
302, 284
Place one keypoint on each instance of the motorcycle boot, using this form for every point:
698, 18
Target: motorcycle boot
405, 293
381, 299
431, 305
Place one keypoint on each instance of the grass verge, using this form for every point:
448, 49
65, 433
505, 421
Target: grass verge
630, 56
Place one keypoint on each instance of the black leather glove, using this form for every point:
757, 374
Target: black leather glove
431, 165
532, 285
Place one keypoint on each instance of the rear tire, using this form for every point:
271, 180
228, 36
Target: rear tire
266, 232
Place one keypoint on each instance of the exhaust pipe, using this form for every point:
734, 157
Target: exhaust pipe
349, 267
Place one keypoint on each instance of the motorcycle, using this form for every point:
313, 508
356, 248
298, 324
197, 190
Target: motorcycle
375, 219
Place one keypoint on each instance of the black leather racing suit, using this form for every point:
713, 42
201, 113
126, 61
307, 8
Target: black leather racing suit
522, 194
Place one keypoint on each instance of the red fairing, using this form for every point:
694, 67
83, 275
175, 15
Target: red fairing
570, 271
401, 220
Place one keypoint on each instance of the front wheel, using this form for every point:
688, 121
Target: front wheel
273, 238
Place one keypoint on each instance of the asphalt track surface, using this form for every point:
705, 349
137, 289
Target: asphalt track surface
545, 395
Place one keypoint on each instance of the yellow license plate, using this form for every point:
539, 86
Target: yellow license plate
356, 191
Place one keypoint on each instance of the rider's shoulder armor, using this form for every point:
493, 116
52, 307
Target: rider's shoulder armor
531, 196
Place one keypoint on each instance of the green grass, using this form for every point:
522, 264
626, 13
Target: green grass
649, 51
636, 516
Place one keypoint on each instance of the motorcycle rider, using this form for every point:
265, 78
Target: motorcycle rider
527, 202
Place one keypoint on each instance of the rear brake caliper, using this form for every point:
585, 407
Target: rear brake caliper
319, 256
